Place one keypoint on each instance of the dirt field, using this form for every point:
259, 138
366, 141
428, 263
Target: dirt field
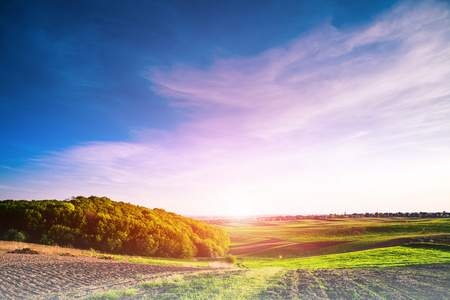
273, 242
28, 276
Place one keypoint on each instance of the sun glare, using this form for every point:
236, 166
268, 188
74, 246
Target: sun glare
241, 210
240, 205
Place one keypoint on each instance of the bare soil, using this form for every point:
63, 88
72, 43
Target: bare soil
30, 276
254, 248
312, 246
270, 243
259, 243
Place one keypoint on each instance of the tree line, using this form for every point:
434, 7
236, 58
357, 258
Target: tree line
109, 226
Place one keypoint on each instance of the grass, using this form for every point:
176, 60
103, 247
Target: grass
357, 233
237, 284
113, 294
162, 281
410, 282
381, 257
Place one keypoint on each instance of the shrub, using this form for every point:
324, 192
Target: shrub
46, 240
231, 259
14, 235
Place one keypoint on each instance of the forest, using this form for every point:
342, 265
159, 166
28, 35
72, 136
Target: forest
113, 227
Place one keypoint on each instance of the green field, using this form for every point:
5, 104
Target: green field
382, 257
302, 238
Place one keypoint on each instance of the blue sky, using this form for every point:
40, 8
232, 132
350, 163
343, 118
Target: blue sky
228, 107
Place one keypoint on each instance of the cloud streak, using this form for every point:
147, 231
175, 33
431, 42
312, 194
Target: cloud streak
382, 71
315, 121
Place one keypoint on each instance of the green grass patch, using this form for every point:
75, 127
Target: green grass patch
118, 294
382, 257
237, 284
163, 281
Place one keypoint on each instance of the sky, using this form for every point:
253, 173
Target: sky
209, 108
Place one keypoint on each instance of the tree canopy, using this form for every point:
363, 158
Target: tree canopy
114, 227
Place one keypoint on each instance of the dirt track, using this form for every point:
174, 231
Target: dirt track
26, 276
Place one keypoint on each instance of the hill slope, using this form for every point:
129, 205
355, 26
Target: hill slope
110, 226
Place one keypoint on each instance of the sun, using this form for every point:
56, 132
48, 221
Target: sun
240, 206
241, 210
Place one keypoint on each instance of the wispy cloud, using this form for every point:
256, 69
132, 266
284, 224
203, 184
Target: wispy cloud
382, 73
325, 112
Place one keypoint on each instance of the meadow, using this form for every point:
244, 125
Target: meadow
302, 238
411, 282
365, 258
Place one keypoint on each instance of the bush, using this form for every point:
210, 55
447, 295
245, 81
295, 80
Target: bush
46, 240
14, 235
230, 259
